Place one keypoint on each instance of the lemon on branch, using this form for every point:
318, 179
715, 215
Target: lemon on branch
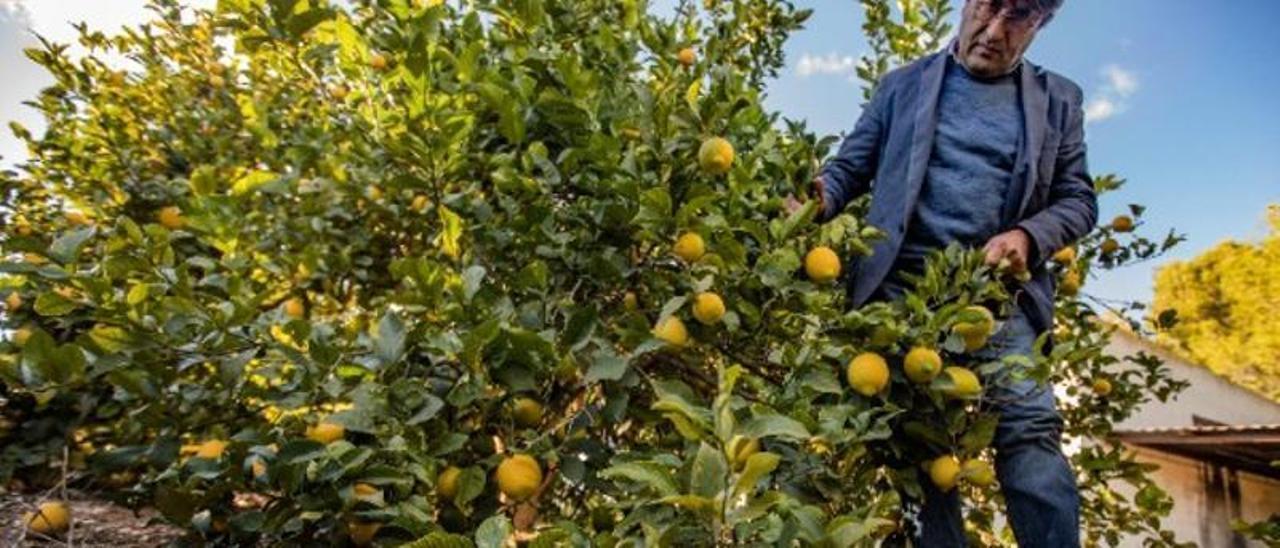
1122, 223
944, 471
868, 373
362, 533
447, 482
822, 264
978, 472
964, 382
671, 329
170, 217
294, 308
687, 57
708, 308
715, 156
519, 476
922, 364
689, 247
326, 432
1065, 256
527, 412
13, 301
1101, 387
211, 449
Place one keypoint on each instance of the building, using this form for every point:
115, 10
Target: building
1214, 444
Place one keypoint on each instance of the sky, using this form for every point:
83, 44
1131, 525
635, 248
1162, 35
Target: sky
1181, 100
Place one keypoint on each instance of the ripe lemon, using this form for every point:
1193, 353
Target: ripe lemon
1070, 284
965, 383
294, 308
378, 61
976, 321
978, 472
922, 364
375, 193
419, 202
690, 247
822, 264
944, 471
339, 92
527, 412
1065, 256
326, 432
1101, 387
519, 476
672, 330
740, 449
13, 301
868, 373
708, 308
447, 482
170, 217
715, 156
1109, 246
362, 533
211, 449
1122, 223
364, 491
77, 217
687, 57
52, 518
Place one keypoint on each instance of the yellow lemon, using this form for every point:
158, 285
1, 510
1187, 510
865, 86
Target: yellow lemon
52, 518
77, 217
1070, 284
1122, 223
978, 472
170, 217
378, 61
976, 321
364, 491
211, 449
519, 476
326, 432
868, 373
527, 412
708, 308
822, 264
362, 533
1065, 256
13, 301
965, 383
1109, 246
672, 330
922, 364
974, 342
944, 471
447, 482
258, 467
1102, 387
715, 156
294, 308
419, 202
690, 247
687, 57
339, 92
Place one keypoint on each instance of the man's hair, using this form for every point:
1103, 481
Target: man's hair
1049, 8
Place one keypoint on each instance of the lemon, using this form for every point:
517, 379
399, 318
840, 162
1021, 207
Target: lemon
362, 533
1065, 256
519, 476
13, 301
52, 518
965, 383
77, 217
527, 412
1102, 387
170, 217
868, 373
1070, 284
944, 471
715, 156
364, 491
326, 432
922, 364
672, 330
690, 247
822, 264
708, 308
211, 449
978, 472
1122, 223
294, 308
977, 322
419, 202
447, 482
687, 57
378, 61
1109, 246
339, 92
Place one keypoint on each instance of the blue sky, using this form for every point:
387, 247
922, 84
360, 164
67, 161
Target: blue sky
1184, 98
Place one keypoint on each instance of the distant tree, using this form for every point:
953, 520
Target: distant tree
1228, 308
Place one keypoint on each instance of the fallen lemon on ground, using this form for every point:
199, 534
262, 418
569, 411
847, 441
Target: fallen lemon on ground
708, 308
868, 373
690, 247
822, 264
715, 156
922, 364
51, 518
672, 330
519, 476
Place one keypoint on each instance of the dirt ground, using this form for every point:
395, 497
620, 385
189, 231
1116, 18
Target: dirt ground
94, 522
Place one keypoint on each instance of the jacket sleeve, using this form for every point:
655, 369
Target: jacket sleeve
1072, 208
848, 174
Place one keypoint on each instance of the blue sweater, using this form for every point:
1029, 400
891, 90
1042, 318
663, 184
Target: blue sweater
967, 185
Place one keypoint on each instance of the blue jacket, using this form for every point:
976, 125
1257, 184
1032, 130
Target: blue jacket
887, 154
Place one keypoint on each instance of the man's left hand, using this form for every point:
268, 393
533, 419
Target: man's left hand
1013, 245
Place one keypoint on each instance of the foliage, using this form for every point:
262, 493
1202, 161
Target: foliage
402, 217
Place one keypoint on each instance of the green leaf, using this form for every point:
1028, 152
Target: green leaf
651, 474
758, 465
67, 247
109, 338
770, 425
980, 433
450, 232
493, 532
471, 279
251, 181
707, 475
52, 304
389, 345
606, 365
470, 485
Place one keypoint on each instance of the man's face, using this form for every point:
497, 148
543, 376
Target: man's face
995, 33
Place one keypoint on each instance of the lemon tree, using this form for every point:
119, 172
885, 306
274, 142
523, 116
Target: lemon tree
496, 271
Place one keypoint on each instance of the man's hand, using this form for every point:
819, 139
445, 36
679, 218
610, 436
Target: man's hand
1014, 245
792, 204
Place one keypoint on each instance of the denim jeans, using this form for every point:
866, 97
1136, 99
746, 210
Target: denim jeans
1043, 503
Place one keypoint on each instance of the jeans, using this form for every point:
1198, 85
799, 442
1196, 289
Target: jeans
1039, 487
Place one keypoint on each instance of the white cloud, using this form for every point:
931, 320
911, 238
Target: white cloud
832, 63
1112, 98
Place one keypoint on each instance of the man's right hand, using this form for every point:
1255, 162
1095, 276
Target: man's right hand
792, 204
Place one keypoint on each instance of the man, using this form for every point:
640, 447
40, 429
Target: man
977, 146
